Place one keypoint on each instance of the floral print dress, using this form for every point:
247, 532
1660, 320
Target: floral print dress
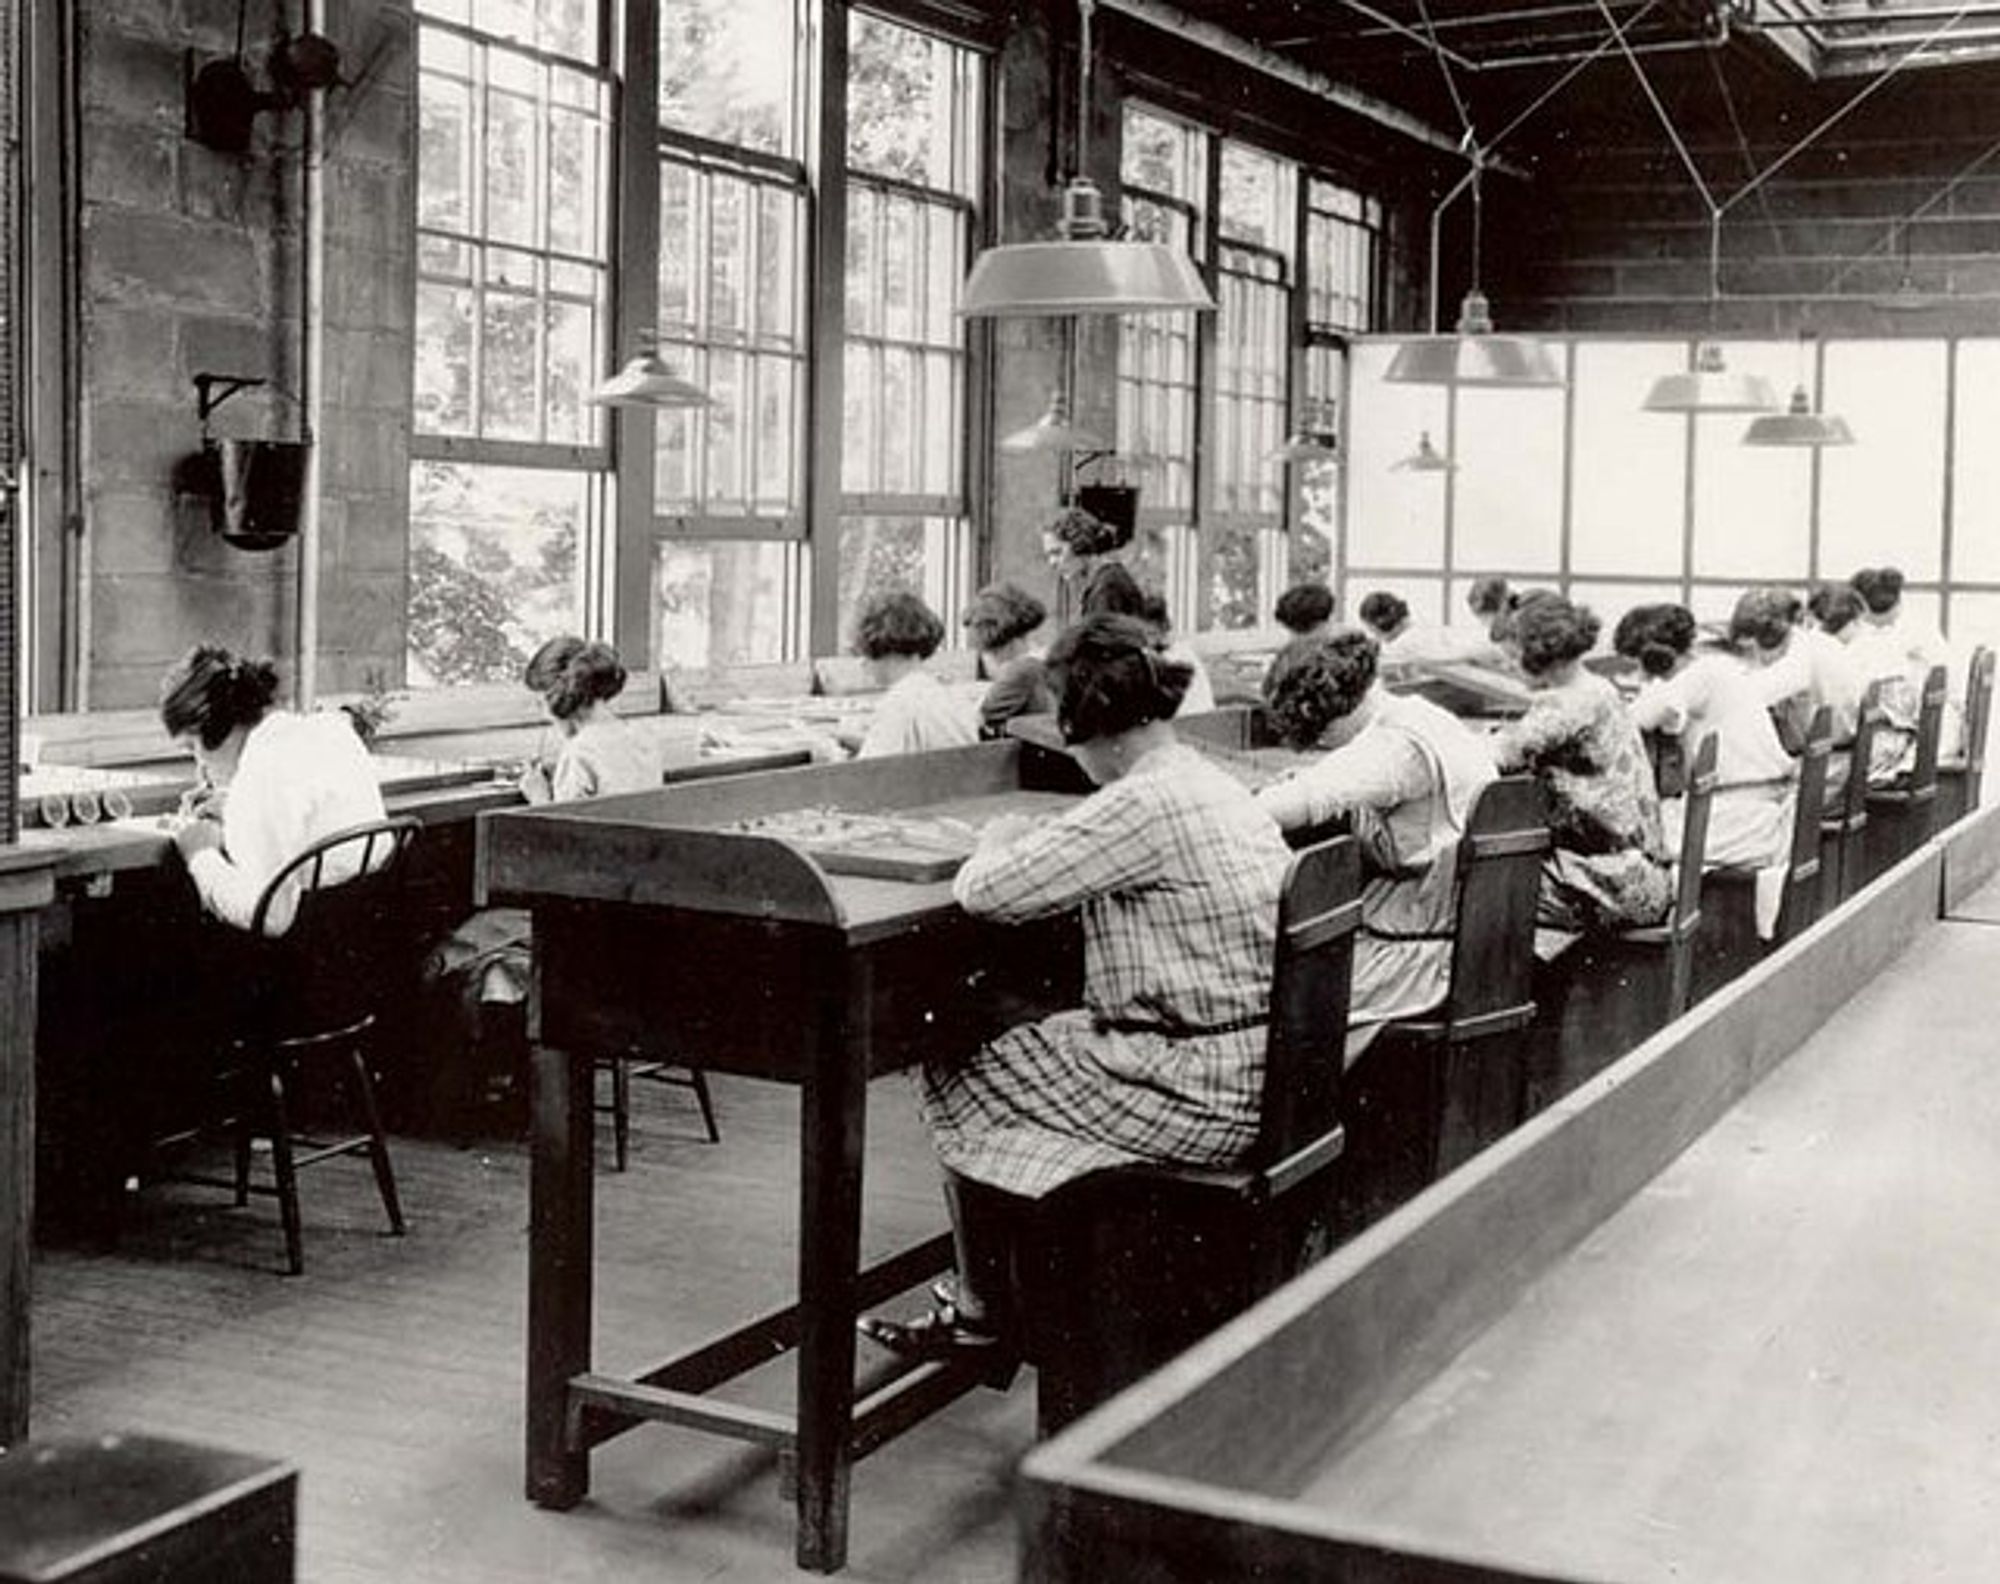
1608, 869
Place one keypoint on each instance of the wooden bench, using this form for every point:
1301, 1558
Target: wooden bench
1961, 775
1901, 817
1124, 1268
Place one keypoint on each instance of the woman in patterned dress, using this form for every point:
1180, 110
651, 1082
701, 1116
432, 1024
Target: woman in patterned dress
1176, 871
1608, 869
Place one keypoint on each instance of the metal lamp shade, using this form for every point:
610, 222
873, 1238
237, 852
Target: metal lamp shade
1798, 425
1487, 360
1710, 387
1427, 458
1053, 431
1305, 446
1027, 279
646, 381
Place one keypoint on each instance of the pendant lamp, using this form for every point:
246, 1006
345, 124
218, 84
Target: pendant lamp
1312, 441
646, 381
1084, 270
1799, 424
1427, 458
1710, 387
1053, 431
1474, 355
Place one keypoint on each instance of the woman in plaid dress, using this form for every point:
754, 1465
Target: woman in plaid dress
1176, 871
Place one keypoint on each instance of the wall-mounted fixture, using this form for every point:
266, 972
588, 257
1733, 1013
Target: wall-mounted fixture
255, 489
223, 103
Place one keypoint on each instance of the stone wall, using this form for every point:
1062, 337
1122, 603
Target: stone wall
191, 263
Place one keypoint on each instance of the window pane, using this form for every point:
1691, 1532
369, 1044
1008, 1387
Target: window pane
494, 567
1752, 504
900, 114
724, 602
879, 555
443, 396
677, 219
1395, 517
1164, 155
1507, 504
1882, 498
1232, 584
1629, 466
1975, 496
575, 156
728, 69
444, 153
1257, 198
507, 369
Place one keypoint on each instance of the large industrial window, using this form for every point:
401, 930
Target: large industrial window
1342, 276
729, 489
913, 173
513, 276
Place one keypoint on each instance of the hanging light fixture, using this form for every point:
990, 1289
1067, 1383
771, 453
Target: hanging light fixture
1053, 431
1427, 458
1710, 387
1313, 441
1474, 355
1799, 424
646, 381
1083, 271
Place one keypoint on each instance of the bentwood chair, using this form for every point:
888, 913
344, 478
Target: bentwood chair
314, 964
1123, 1268
1961, 774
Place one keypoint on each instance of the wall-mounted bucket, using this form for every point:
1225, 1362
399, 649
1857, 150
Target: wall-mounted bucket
258, 490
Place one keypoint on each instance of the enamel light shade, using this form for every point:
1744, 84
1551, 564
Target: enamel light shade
646, 381
1474, 355
1083, 271
1710, 387
1798, 425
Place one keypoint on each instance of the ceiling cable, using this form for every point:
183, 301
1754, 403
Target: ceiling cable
1901, 226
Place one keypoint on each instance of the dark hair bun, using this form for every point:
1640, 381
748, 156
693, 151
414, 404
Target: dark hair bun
1110, 675
591, 673
212, 691
1316, 681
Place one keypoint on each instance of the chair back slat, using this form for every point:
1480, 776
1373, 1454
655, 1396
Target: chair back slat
1853, 811
1922, 785
1499, 884
1697, 800
1319, 913
1978, 718
1802, 874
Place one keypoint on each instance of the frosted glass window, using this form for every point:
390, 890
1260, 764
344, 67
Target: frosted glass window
1713, 603
1882, 498
1612, 600
1975, 529
1394, 519
1629, 467
1975, 620
1753, 504
1508, 487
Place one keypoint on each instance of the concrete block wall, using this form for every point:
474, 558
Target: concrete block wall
1613, 237
191, 263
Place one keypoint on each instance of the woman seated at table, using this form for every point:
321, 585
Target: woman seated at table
1798, 670
999, 621
1608, 868
1305, 610
596, 754
1176, 872
1406, 641
270, 783
1404, 773
1117, 593
896, 635
1691, 691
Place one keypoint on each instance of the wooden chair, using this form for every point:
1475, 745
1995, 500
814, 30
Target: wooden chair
1123, 1268
1801, 907
622, 1070
1432, 1090
315, 991
1902, 817
1960, 775
1843, 828
1605, 994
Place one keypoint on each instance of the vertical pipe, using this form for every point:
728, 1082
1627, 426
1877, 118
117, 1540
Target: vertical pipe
312, 372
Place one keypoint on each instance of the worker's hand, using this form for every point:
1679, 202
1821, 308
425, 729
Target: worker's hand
537, 785
192, 836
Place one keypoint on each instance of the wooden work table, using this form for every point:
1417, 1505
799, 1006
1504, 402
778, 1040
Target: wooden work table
651, 914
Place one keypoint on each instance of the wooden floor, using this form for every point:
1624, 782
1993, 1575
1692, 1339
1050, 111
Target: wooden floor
390, 1374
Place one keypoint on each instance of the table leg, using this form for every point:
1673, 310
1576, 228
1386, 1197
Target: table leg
17, 1167
833, 1127
561, 1186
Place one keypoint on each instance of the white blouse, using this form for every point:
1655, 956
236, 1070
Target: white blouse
300, 778
918, 714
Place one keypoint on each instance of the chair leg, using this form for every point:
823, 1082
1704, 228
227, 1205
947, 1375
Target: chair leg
698, 1081
287, 1173
378, 1144
621, 1112
244, 1131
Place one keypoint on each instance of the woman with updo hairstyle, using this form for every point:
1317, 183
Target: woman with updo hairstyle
1080, 546
1693, 691
897, 634
269, 783
1608, 869
1176, 872
596, 754
1403, 774
1000, 620
1890, 645
1798, 670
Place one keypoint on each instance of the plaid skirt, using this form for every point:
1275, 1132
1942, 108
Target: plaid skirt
1049, 1101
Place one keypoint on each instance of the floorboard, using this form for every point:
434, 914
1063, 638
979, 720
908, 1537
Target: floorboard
390, 1373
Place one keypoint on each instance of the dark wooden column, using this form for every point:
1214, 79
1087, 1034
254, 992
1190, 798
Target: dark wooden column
27, 885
